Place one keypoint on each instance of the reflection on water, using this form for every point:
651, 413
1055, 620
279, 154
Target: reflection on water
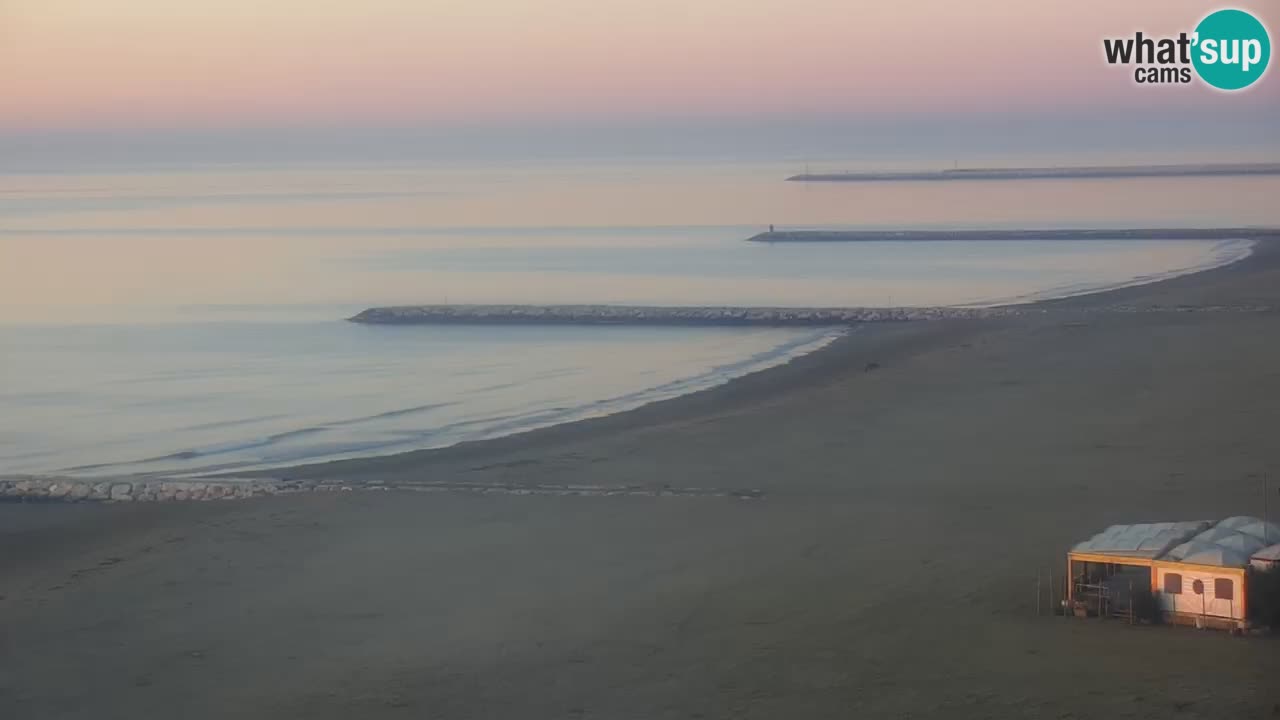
131, 245
180, 321
211, 395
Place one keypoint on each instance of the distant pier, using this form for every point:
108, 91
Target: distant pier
661, 315
1048, 173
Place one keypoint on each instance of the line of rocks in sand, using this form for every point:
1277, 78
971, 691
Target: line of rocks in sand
37, 489
569, 490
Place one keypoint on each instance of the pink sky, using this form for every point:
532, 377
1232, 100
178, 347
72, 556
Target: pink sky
201, 63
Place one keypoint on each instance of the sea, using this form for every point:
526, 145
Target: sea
186, 320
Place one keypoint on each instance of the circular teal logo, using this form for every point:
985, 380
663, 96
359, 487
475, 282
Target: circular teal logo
1232, 49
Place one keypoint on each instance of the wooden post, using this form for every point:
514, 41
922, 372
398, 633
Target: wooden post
1062, 595
1053, 601
1071, 586
1037, 592
1244, 595
1069, 580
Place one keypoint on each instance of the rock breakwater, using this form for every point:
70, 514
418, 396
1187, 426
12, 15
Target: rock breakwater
664, 316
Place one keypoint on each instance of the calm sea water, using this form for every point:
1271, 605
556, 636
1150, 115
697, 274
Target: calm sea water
185, 321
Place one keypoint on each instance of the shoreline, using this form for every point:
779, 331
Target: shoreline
283, 479
866, 349
1063, 293
860, 530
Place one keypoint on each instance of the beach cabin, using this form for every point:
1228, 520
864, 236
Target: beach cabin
1209, 591
1197, 572
1105, 571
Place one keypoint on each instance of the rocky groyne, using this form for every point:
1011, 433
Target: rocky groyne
664, 316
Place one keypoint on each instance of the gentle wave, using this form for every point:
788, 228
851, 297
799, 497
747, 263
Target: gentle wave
366, 435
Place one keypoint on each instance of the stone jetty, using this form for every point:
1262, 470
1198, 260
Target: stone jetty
663, 316
1047, 173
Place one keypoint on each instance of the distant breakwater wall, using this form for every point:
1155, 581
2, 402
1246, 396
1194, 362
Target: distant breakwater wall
661, 316
818, 236
1048, 173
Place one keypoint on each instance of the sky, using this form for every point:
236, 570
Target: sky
243, 66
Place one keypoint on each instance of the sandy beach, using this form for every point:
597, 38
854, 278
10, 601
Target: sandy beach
855, 534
